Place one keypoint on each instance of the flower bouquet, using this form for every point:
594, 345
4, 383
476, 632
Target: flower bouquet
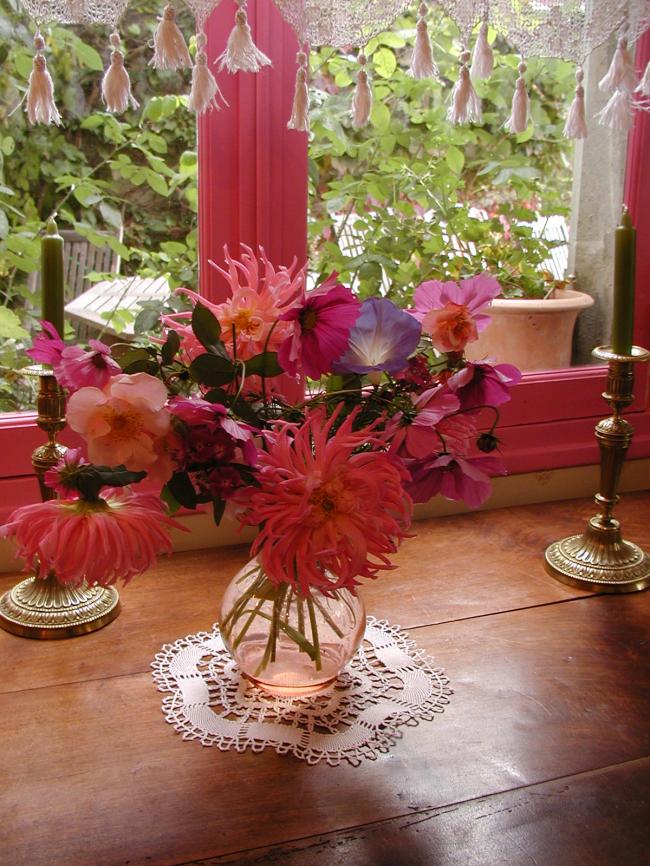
312, 415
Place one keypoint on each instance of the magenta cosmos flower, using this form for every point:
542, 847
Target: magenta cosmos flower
484, 384
323, 319
74, 367
324, 506
419, 439
98, 542
465, 479
383, 338
452, 313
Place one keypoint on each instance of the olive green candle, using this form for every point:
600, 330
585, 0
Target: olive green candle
52, 277
624, 263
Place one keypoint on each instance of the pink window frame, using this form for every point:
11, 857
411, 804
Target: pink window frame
253, 190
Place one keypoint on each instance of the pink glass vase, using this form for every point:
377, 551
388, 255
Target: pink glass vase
286, 643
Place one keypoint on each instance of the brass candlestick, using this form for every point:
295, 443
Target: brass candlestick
600, 559
43, 608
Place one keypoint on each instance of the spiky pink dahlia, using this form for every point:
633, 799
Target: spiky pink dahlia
324, 506
117, 536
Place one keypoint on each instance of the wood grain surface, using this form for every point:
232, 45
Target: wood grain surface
541, 756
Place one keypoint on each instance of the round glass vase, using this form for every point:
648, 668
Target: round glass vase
285, 643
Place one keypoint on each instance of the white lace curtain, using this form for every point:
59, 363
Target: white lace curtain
567, 29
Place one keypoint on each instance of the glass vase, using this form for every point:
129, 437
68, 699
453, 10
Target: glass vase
286, 643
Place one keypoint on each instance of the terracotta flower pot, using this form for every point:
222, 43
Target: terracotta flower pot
531, 334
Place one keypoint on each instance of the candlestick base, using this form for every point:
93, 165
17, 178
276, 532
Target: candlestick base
599, 560
45, 610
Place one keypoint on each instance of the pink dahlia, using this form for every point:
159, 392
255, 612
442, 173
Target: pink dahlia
249, 319
328, 511
97, 542
124, 423
323, 320
452, 313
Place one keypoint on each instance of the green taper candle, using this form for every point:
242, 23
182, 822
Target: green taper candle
52, 277
624, 264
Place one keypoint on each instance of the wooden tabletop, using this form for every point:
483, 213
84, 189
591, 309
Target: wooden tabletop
542, 756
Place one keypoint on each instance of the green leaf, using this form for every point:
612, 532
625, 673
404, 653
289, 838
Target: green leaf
455, 159
4, 225
88, 56
206, 328
384, 62
10, 327
212, 370
265, 364
170, 348
218, 508
157, 183
380, 115
182, 490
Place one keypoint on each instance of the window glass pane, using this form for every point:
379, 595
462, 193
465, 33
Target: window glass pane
123, 188
412, 197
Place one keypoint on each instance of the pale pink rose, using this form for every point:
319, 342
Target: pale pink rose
124, 422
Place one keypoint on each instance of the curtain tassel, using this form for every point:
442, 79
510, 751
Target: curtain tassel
241, 52
518, 120
465, 104
170, 48
300, 114
39, 99
116, 84
205, 93
422, 62
644, 84
362, 99
621, 74
618, 113
483, 56
576, 123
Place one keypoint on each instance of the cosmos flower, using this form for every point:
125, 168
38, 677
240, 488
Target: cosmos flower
383, 338
323, 319
123, 422
484, 384
61, 477
452, 313
459, 478
99, 542
324, 506
86, 369
418, 438
48, 346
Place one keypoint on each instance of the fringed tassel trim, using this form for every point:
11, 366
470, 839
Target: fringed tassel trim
205, 93
465, 106
644, 84
422, 62
483, 56
621, 74
116, 84
576, 123
39, 99
518, 120
362, 99
618, 113
241, 52
300, 113
170, 48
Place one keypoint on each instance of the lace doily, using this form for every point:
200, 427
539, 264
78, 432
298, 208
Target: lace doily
389, 684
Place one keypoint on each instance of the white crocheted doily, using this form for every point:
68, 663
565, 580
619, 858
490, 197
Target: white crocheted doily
390, 683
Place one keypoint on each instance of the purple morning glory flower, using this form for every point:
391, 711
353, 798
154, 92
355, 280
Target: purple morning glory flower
382, 338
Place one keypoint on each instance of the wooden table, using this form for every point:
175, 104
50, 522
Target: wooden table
542, 756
